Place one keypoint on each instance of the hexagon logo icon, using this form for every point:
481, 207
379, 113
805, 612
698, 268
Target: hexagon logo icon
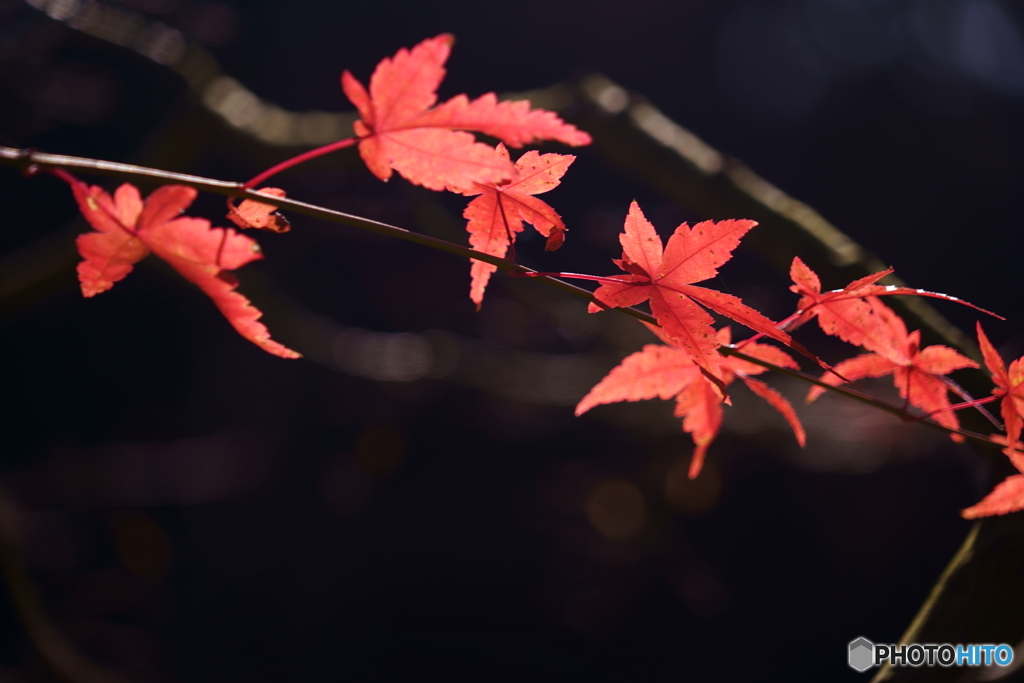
862, 654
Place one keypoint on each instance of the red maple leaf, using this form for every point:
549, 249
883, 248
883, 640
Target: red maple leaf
401, 129
692, 255
1007, 496
844, 313
497, 215
1009, 384
916, 372
127, 229
668, 372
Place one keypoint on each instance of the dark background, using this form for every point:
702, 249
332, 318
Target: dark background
192, 508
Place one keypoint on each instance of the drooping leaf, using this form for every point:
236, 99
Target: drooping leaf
202, 255
400, 129
657, 371
665, 279
127, 229
665, 372
496, 216
700, 406
1007, 496
779, 402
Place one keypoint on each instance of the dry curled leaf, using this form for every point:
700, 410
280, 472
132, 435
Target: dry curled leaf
253, 214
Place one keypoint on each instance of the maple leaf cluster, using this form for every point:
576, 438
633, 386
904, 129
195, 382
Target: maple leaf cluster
403, 129
917, 373
692, 370
400, 129
856, 314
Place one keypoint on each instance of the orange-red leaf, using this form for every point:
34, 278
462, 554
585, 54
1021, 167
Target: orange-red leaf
779, 402
844, 313
128, 229
732, 307
839, 314
655, 372
887, 334
853, 369
695, 254
700, 406
1009, 384
765, 352
917, 373
928, 392
499, 212
400, 130
511, 121
193, 248
666, 371
804, 279
666, 277
110, 253
1007, 496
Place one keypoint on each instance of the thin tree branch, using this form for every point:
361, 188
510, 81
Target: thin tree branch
31, 162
